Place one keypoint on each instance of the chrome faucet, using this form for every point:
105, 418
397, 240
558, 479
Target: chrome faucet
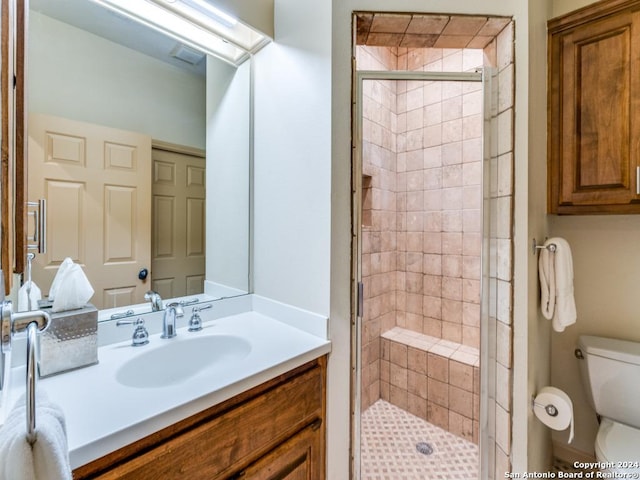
155, 299
173, 311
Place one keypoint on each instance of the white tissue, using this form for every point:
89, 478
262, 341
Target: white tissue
70, 288
55, 285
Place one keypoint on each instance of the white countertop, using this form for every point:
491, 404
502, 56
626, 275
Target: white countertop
103, 415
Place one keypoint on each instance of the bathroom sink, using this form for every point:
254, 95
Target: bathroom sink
181, 358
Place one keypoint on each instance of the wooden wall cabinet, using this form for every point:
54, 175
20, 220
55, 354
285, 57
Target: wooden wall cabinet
275, 430
594, 109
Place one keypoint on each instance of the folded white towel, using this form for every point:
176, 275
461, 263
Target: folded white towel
28, 293
48, 457
555, 270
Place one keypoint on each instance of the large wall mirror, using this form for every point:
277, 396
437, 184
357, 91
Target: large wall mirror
140, 145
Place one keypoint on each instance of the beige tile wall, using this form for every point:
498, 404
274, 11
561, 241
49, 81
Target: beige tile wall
422, 155
500, 312
439, 197
379, 213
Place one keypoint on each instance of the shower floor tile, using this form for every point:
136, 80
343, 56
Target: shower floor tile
388, 451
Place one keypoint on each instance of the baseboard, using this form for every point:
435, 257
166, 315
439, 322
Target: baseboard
571, 455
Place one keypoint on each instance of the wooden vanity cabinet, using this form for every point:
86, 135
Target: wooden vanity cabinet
275, 430
594, 109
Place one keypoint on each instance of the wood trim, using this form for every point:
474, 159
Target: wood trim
6, 96
590, 13
570, 455
323, 363
130, 452
175, 148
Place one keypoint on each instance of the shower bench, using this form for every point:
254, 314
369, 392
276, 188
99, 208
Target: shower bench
432, 378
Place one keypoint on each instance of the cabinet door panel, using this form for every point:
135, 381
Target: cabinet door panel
602, 109
594, 95
296, 459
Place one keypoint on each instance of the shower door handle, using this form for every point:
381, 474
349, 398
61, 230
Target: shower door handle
360, 307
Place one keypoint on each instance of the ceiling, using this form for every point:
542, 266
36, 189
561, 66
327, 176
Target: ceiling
427, 31
112, 26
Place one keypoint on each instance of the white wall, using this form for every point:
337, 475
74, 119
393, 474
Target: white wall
539, 332
78, 75
228, 140
293, 190
560, 7
257, 13
606, 268
292, 170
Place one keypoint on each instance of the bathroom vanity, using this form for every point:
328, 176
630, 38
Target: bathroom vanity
243, 396
276, 429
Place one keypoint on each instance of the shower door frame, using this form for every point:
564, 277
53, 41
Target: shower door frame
484, 75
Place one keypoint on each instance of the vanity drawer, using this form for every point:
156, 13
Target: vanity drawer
222, 444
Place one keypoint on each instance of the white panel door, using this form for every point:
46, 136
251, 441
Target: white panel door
97, 183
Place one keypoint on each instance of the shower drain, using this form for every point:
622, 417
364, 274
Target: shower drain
424, 448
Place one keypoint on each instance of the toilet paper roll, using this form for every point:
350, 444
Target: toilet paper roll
554, 408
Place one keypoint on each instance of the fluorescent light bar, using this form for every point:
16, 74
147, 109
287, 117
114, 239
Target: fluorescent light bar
194, 23
218, 15
207, 16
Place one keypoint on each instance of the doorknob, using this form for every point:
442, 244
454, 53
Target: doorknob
143, 273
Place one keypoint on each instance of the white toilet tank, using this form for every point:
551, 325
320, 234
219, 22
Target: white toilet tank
611, 376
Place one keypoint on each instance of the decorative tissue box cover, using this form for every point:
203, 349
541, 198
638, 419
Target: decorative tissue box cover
70, 342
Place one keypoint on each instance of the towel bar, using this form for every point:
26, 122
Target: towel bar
31, 322
32, 331
552, 247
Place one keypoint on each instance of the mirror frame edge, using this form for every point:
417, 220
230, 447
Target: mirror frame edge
21, 155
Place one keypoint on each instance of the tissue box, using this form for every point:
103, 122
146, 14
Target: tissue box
70, 342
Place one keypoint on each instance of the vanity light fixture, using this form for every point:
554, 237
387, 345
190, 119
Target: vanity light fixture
195, 23
208, 9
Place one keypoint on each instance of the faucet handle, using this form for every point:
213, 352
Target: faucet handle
178, 308
155, 299
140, 334
199, 309
195, 323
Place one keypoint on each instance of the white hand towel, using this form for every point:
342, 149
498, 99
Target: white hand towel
555, 270
24, 296
48, 457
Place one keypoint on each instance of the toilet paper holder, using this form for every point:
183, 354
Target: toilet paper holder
551, 409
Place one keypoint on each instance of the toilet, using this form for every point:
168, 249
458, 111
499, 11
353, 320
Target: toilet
610, 371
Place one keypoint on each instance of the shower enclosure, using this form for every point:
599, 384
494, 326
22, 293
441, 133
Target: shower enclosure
424, 223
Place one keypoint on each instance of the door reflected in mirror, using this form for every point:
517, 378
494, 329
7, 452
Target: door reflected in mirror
118, 123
